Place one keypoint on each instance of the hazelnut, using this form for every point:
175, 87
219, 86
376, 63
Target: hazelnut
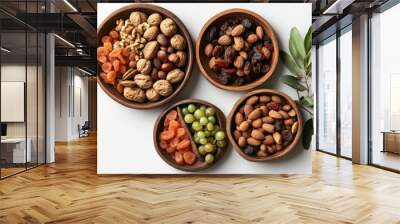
151, 33
144, 66
163, 87
175, 75
173, 58
161, 75
168, 27
143, 81
162, 39
166, 67
178, 42
152, 95
154, 19
162, 55
137, 18
150, 50
182, 58
134, 94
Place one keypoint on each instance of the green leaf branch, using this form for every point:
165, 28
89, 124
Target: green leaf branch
298, 61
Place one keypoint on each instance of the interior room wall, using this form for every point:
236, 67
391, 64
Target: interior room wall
71, 102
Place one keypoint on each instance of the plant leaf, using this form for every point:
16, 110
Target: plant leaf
308, 40
307, 101
292, 82
295, 55
298, 44
290, 64
308, 131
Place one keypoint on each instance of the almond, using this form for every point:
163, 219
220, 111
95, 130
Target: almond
238, 30
247, 109
268, 128
276, 99
265, 99
253, 141
257, 123
237, 135
286, 107
252, 38
268, 120
244, 126
268, 140
292, 113
224, 40
288, 122
255, 114
242, 141
239, 118
261, 153
238, 43
252, 100
279, 147
295, 126
264, 110
277, 138
284, 114
259, 32
274, 114
271, 149
257, 134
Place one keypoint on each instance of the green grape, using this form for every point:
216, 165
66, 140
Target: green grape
210, 126
198, 114
185, 111
219, 136
189, 118
203, 108
210, 111
217, 128
221, 144
196, 139
209, 158
191, 108
207, 133
201, 134
203, 121
210, 148
203, 141
202, 150
211, 119
197, 126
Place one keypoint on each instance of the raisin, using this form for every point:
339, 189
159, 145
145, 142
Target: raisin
278, 125
229, 54
230, 71
256, 57
224, 78
240, 81
212, 34
221, 63
274, 106
287, 136
247, 23
217, 51
257, 69
250, 150
224, 26
247, 68
264, 69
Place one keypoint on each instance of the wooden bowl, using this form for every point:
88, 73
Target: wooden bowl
231, 125
199, 164
124, 12
202, 60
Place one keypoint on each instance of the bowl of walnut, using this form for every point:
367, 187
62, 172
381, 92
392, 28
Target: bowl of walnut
145, 55
237, 50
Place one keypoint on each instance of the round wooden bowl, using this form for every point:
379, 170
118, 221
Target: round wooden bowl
202, 60
231, 125
124, 12
199, 164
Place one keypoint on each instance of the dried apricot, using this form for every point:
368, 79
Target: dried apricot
189, 157
122, 69
102, 58
167, 135
180, 132
116, 64
172, 115
174, 142
179, 158
106, 67
170, 150
122, 59
183, 145
102, 51
120, 88
114, 34
173, 125
110, 77
106, 39
125, 52
163, 144
108, 46
115, 53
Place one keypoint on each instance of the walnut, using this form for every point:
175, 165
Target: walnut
152, 95
151, 33
163, 87
134, 94
150, 50
144, 66
137, 18
143, 81
175, 75
168, 27
178, 42
154, 19
182, 58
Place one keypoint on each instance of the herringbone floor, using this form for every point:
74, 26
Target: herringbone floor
69, 191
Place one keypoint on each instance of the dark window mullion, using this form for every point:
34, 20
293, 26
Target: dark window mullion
338, 74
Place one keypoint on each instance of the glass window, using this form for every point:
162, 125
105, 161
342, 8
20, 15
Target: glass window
346, 94
327, 96
385, 89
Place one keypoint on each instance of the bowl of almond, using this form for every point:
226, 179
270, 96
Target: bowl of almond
237, 50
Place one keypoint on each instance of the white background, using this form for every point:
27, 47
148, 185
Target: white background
125, 136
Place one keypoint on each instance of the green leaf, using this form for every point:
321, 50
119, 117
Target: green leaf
308, 58
308, 132
292, 82
297, 58
308, 40
290, 64
307, 101
297, 43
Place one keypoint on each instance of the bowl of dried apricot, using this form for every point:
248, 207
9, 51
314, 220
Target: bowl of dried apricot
191, 135
144, 54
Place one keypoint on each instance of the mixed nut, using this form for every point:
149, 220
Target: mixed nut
264, 125
143, 57
238, 51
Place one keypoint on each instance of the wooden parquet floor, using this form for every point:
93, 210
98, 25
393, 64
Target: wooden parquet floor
69, 191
